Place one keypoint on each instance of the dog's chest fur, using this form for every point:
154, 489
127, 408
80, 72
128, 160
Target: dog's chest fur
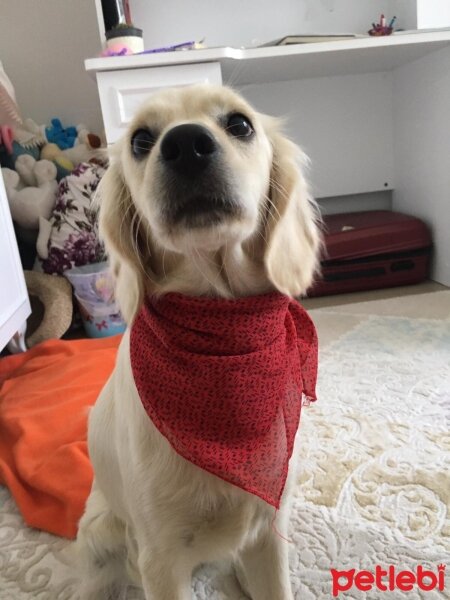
153, 485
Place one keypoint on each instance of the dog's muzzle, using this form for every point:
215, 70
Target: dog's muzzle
196, 183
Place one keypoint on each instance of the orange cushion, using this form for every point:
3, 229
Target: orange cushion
45, 394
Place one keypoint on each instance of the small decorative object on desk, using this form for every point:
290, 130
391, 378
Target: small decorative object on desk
380, 28
124, 38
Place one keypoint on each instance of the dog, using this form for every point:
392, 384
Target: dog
204, 197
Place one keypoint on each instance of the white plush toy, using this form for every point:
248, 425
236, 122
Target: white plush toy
37, 198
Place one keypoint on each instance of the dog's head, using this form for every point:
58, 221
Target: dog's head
204, 195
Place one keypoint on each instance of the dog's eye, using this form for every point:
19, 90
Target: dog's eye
142, 142
239, 126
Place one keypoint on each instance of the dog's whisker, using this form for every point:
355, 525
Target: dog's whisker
279, 187
229, 279
272, 208
235, 74
200, 269
147, 240
163, 263
125, 214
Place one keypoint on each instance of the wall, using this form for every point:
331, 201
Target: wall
329, 118
355, 202
250, 22
406, 12
43, 45
421, 14
422, 148
433, 13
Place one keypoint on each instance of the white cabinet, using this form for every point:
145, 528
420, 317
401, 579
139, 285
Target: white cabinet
121, 92
14, 303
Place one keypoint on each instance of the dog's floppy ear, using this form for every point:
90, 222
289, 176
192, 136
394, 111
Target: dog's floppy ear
291, 233
126, 242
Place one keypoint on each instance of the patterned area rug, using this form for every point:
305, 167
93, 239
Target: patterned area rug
374, 478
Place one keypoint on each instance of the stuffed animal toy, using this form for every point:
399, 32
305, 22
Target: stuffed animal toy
31, 190
25, 166
86, 137
57, 134
25, 132
85, 149
7, 138
84, 152
63, 165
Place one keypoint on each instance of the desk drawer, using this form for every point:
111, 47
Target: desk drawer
122, 92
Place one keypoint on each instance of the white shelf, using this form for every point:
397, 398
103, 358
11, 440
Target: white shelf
284, 63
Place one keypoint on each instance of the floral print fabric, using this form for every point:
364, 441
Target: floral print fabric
74, 240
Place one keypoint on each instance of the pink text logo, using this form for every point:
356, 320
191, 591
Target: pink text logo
388, 580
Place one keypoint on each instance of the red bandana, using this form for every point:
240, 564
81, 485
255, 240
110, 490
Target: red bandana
223, 380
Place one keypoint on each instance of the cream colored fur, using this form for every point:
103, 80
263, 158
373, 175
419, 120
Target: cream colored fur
152, 516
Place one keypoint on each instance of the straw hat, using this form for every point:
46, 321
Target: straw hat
51, 299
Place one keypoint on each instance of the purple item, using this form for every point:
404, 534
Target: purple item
183, 46
123, 52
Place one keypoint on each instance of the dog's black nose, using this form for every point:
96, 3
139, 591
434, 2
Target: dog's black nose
188, 149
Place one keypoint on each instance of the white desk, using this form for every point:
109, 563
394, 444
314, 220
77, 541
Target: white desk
366, 110
277, 63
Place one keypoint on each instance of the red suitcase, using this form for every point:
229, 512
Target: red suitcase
373, 249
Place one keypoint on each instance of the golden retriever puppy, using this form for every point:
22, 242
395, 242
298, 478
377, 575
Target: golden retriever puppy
204, 197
